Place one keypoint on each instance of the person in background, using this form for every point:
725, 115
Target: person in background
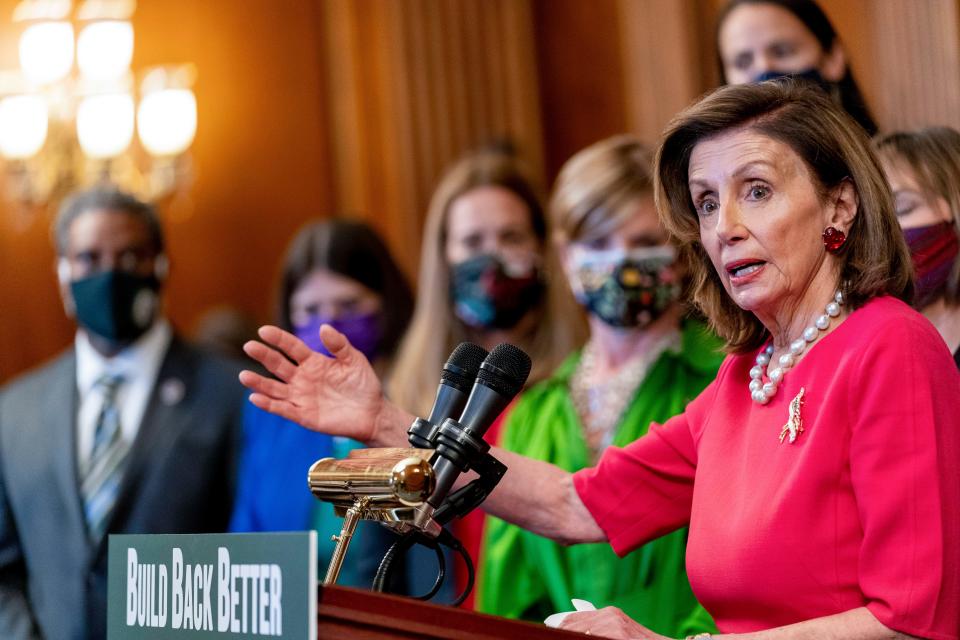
817, 473
487, 275
763, 39
484, 269
643, 362
923, 168
335, 272
131, 430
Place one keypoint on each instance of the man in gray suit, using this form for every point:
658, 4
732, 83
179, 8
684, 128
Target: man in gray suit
129, 431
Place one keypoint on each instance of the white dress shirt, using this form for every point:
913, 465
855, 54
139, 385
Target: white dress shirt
138, 364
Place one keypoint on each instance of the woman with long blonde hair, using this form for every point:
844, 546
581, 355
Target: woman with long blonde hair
485, 277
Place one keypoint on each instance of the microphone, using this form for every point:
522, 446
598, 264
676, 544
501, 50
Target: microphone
500, 378
456, 379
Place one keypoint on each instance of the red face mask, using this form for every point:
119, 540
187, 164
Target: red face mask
934, 250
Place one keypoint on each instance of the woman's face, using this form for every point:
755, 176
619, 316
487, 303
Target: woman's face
756, 38
761, 221
491, 220
331, 296
914, 207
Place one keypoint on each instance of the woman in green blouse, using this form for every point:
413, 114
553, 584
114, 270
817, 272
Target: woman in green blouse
643, 362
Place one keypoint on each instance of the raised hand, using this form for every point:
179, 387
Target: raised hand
339, 395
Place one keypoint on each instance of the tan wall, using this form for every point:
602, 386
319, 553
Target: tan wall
307, 107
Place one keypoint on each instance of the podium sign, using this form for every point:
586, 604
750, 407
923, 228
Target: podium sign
212, 586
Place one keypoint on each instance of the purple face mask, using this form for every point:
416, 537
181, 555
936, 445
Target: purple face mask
363, 332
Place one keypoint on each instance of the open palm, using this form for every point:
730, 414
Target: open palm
339, 396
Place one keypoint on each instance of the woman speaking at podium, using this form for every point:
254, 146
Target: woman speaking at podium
818, 472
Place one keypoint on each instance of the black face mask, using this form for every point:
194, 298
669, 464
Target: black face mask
486, 296
116, 305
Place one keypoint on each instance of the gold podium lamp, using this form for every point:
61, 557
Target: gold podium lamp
388, 485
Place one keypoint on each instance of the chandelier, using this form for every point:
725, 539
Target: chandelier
75, 115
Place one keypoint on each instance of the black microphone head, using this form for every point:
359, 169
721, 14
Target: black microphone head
462, 366
505, 370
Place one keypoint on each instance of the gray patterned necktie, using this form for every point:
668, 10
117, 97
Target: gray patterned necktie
104, 470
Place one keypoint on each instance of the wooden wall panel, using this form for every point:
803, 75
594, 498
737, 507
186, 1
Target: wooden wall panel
659, 85
415, 84
915, 55
31, 322
581, 72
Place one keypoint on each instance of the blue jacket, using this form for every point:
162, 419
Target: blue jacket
272, 493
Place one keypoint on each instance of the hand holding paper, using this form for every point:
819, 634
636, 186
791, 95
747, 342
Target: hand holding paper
578, 605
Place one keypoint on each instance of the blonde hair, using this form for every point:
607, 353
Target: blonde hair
874, 261
932, 155
597, 188
435, 330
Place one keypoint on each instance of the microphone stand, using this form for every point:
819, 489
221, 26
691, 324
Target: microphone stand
413, 496
350, 519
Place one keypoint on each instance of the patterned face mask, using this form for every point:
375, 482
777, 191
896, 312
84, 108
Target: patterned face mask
626, 289
488, 294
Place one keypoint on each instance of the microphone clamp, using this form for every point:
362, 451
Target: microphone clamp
458, 445
421, 434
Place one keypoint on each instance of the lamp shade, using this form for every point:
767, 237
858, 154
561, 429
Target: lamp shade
105, 124
46, 51
105, 49
167, 121
23, 126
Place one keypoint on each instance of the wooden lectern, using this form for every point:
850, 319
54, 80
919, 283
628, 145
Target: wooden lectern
355, 614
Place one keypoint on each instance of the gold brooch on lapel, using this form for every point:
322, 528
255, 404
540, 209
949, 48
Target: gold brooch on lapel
794, 426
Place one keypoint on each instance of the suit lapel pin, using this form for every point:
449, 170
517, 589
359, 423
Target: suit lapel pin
171, 391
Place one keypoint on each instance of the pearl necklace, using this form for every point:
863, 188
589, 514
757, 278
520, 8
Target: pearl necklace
761, 392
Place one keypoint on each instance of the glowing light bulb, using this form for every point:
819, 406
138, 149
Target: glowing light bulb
167, 121
46, 51
105, 49
23, 126
105, 124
